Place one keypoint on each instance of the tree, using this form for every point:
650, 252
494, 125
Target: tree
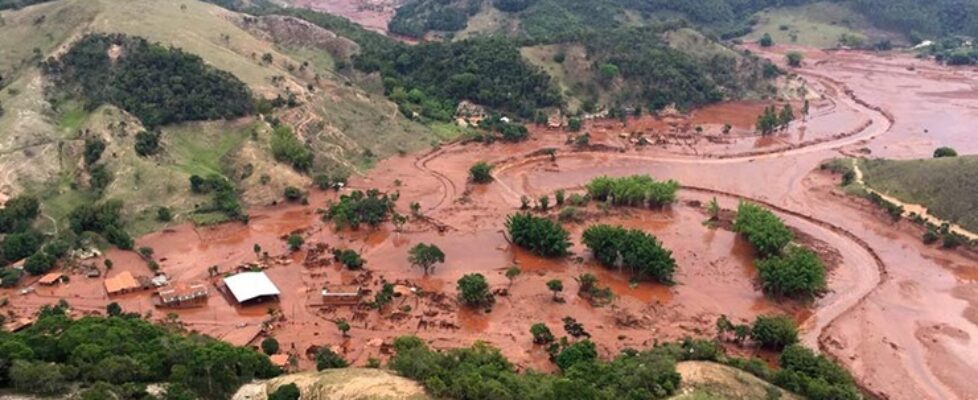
774, 331
358, 207
796, 273
349, 258
328, 359
293, 194
269, 346
9, 277
794, 58
481, 172
559, 197
425, 256
766, 40
343, 327
642, 254
39, 263
541, 236
633, 191
512, 273
147, 143
541, 334
945, 152
37, 377
574, 124
163, 214
474, 290
786, 116
94, 147
577, 353
113, 309
544, 203
555, 286
257, 249
285, 392
295, 241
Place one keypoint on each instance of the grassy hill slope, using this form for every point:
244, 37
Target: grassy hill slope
948, 186
41, 142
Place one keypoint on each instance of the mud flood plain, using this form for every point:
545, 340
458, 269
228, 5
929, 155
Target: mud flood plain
900, 315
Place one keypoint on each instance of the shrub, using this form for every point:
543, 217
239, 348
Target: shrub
633, 191
766, 40
349, 258
163, 214
295, 241
559, 197
286, 147
945, 152
774, 332
570, 214
541, 334
574, 124
94, 147
555, 286
541, 236
642, 254
328, 359
269, 346
764, 230
147, 143
794, 58
285, 392
293, 194
481, 172
474, 290
796, 273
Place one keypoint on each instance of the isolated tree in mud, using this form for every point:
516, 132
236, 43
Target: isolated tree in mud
481, 172
343, 327
541, 236
541, 334
425, 256
512, 273
473, 290
555, 286
295, 242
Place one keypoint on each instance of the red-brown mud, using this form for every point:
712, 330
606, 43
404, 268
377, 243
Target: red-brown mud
371, 14
900, 315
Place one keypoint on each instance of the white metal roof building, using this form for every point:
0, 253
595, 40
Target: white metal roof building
248, 286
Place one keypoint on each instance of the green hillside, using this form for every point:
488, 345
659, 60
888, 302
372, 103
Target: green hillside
947, 186
44, 127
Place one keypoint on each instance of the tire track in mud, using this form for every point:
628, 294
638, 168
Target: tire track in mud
448, 187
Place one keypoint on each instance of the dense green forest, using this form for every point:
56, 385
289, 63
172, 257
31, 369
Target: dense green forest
159, 85
116, 356
546, 20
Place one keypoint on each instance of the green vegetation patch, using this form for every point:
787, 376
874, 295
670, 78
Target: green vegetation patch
157, 84
946, 186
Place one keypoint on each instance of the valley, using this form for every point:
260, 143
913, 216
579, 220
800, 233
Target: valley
898, 313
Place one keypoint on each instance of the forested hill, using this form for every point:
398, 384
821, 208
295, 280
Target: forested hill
548, 20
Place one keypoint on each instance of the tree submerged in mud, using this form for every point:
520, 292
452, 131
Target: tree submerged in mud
764, 230
633, 191
640, 253
798, 273
425, 256
541, 236
473, 291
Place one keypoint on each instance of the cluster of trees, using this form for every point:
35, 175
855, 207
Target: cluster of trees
104, 218
482, 372
639, 252
774, 332
785, 270
371, 208
430, 79
158, 85
117, 356
541, 236
225, 196
287, 148
634, 191
20, 240
506, 130
771, 120
418, 18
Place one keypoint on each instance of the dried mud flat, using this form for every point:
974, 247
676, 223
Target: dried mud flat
901, 316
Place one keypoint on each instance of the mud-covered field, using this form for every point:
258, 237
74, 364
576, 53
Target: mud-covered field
900, 315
